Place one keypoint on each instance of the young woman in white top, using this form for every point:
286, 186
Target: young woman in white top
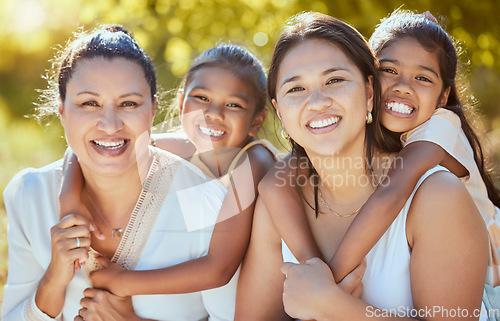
323, 83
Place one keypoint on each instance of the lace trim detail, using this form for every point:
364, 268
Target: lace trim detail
32, 313
144, 215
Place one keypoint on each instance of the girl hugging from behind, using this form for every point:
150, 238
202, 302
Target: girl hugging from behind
222, 108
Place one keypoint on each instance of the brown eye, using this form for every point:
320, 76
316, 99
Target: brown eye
389, 71
202, 98
423, 78
129, 104
334, 81
90, 103
233, 105
295, 89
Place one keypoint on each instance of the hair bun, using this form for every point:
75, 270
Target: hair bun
116, 28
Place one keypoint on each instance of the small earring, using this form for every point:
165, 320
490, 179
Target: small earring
152, 142
369, 118
283, 132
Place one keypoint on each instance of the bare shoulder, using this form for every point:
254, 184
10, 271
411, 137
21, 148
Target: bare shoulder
442, 203
261, 160
282, 173
175, 143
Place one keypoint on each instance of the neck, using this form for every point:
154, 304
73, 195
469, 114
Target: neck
219, 159
344, 178
115, 196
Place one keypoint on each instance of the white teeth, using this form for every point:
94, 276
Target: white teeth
323, 123
211, 132
110, 145
399, 108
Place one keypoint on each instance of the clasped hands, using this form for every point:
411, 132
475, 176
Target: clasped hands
310, 291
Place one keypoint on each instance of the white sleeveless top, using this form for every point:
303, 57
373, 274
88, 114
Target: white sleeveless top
387, 278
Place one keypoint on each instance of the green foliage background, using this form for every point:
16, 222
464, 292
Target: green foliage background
175, 31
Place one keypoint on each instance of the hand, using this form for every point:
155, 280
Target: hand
70, 239
100, 305
109, 277
309, 289
352, 282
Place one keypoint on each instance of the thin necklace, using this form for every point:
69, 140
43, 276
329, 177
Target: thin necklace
331, 210
118, 232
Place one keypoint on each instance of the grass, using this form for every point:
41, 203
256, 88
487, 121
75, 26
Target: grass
24, 143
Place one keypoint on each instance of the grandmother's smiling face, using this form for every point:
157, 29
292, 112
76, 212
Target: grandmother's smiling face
107, 115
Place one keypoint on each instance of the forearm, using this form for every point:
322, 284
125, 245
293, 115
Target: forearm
384, 205
50, 295
351, 308
191, 276
69, 197
287, 211
373, 220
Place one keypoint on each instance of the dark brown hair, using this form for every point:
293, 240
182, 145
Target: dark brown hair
430, 35
108, 41
241, 62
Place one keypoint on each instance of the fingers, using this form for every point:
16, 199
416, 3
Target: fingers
93, 293
315, 261
104, 261
287, 267
73, 220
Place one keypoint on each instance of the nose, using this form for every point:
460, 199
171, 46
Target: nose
318, 101
402, 86
215, 111
109, 121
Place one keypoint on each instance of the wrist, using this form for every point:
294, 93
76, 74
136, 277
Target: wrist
53, 279
124, 284
327, 310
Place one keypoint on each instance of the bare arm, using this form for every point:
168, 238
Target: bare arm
260, 286
280, 194
175, 143
227, 246
384, 205
71, 187
447, 268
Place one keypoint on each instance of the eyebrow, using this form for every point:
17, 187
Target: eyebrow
326, 72
96, 94
240, 96
396, 62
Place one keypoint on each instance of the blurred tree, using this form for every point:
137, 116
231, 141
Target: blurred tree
175, 31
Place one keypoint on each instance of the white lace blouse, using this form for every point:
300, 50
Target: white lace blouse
156, 236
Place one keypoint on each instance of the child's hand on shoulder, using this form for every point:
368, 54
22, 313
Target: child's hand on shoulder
110, 277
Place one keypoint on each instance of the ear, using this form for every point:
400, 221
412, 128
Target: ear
180, 100
444, 97
257, 122
155, 102
274, 103
60, 109
369, 93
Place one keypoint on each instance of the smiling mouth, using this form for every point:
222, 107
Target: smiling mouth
399, 108
211, 132
109, 145
318, 124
